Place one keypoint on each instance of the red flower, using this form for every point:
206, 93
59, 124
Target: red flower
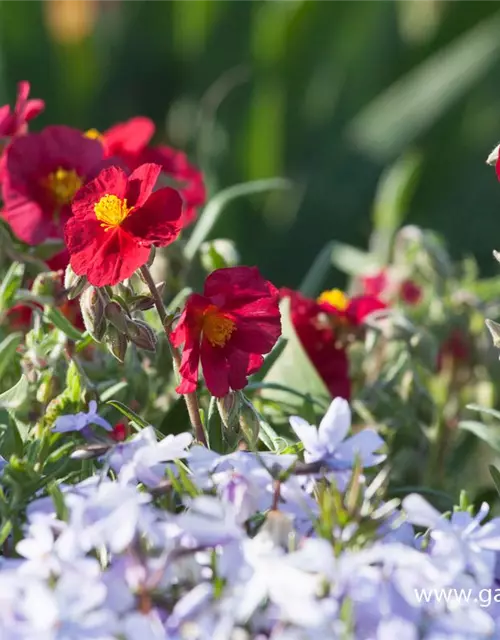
43, 171
228, 328
410, 292
352, 310
129, 141
116, 219
456, 349
16, 122
318, 338
119, 433
376, 284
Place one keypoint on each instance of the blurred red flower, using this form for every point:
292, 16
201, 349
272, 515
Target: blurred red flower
116, 219
42, 173
375, 284
130, 140
15, 122
119, 433
352, 310
319, 340
228, 328
410, 292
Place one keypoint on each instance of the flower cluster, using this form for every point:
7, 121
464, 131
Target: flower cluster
224, 544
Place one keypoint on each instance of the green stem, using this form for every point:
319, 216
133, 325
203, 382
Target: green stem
190, 398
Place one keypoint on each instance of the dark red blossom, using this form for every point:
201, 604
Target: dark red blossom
456, 349
130, 140
352, 310
119, 433
42, 173
228, 329
116, 219
410, 292
375, 284
318, 337
15, 122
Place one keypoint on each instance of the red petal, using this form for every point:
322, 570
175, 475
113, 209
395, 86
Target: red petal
129, 137
106, 258
239, 364
256, 335
158, 221
141, 184
29, 221
215, 369
112, 180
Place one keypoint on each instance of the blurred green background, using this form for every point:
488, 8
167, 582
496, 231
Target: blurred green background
327, 93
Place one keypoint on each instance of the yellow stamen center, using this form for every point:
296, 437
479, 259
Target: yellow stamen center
94, 134
111, 211
62, 184
217, 327
336, 298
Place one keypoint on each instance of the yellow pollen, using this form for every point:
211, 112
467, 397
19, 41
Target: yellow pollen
111, 211
217, 327
336, 298
62, 184
94, 134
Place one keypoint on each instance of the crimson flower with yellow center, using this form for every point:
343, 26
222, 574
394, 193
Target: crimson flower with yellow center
352, 311
41, 173
228, 329
116, 219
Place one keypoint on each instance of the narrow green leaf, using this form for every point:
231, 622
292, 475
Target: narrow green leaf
394, 193
487, 410
124, 410
495, 475
8, 351
269, 360
313, 282
352, 261
10, 284
214, 427
55, 317
59, 502
5, 531
14, 397
217, 205
113, 390
486, 433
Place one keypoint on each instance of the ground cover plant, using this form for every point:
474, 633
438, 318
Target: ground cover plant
188, 451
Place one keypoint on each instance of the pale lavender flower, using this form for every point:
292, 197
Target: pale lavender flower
328, 443
81, 421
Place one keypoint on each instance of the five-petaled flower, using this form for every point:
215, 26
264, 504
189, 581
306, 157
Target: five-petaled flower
15, 122
228, 328
41, 174
129, 141
116, 219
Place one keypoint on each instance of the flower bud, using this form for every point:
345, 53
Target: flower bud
92, 307
493, 157
229, 409
116, 343
116, 316
73, 284
141, 303
46, 284
249, 423
141, 334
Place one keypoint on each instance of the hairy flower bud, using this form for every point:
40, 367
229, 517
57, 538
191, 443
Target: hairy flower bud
494, 329
141, 334
46, 284
73, 284
92, 307
141, 303
229, 409
249, 423
116, 343
116, 316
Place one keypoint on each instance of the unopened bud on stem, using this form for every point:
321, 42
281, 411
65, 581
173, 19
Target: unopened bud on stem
92, 306
116, 342
73, 284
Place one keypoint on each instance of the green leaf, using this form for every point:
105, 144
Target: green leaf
10, 284
313, 282
217, 204
8, 351
269, 360
214, 427
394, 193
5, 531
124, 410
113, 390
352, 261
412, 104
55, 317
495, 475
293, 368
487, 410
14, 397
59, 502
487, 433
73, 383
